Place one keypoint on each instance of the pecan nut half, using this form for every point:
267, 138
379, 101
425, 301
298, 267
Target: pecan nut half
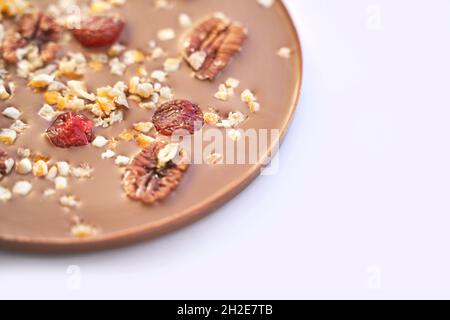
6, 164
211, 45
32, 28
148, 180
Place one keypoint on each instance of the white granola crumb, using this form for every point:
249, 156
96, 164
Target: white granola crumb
284, 53
184, 20
8, 136
159, 75
69, 201
166, 34
49, 192
47, 112
52, 173
82, 230
100, 142
116, 67
266, 3
19, 126
172, 64
12, 113
61, 183
5, 194
40, 168
232, 83
108, 154
24, 166
82, 172
22, 188
122, 161
63, 168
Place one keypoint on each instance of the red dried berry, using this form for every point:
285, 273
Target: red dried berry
71, 129
99, 31
178, 115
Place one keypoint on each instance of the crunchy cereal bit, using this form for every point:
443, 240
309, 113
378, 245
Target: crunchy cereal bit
214, 158
172, 64
100, 142
99, 6
47, 112
22, 188
184, 20
166, 34
144, 127
78, 89
157, 53
122, 161
69, 201
166, 93
40, 168
127, 135
5, 194
61, 183
83, 230
12, 113
224, 93
8, 136
82, 172
108, 154
19, 126
266, 3
73, 65
24, 166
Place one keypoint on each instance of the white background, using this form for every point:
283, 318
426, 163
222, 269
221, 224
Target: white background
360, 207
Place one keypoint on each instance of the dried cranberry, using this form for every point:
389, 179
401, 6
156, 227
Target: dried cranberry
99, 31
178, 115
71, 129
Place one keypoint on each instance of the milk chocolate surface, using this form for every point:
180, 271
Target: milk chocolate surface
104, 205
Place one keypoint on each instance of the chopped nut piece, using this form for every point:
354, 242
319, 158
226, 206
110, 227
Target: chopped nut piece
8, 136
144, 127
24, 166
82, 172
144, 141
52, 173
159, 75
12, 113
19, 126
41, 81
47, 112
22, 188
211, 118
40, 169
232, 83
